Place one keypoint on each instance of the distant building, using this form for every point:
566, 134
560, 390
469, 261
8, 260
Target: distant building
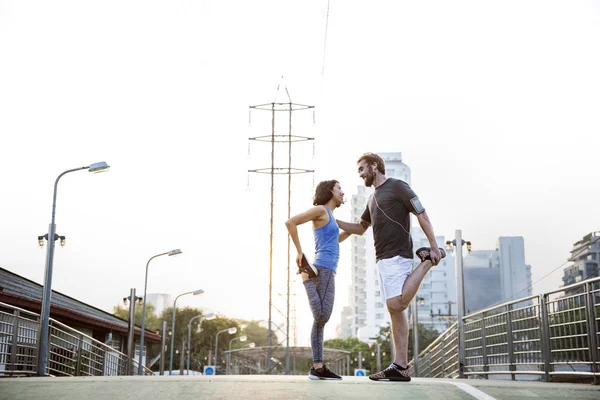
438, 288
496, 276
483, 285
345, 327
584, 256
160, 301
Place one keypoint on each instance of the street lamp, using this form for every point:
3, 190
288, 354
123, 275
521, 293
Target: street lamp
231, 331
378, 360
242, 338
164, 333
169, 253
195, 293
132, 298
251, 345
202, 318
47, 290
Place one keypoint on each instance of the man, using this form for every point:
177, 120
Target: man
388, 211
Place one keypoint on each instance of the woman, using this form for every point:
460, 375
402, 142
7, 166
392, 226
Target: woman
319, 278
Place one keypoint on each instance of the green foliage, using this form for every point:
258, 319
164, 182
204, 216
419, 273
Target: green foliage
202, 342
152, 321
426, 337
369, 351
255, 333
356, 348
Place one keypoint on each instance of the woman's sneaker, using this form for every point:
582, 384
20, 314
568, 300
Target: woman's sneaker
392, 373
323, 373
307, 267
424, 253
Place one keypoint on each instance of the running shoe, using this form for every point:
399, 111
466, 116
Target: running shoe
423, 253
307, 267
392, 373
323, 374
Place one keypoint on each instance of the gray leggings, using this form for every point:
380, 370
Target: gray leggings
321, 293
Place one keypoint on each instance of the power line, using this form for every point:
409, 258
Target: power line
325, 40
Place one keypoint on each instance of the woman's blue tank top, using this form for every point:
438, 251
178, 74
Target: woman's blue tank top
327, 248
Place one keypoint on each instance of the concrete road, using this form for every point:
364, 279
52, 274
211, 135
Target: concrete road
262, 387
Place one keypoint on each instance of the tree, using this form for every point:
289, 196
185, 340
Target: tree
354, 346
200, 340
426, 337
254, 332
369, 351
152, 321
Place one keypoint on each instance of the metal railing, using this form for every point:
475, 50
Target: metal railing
553, 336
70, 352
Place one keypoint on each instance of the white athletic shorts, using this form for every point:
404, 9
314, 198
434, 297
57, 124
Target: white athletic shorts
392, 275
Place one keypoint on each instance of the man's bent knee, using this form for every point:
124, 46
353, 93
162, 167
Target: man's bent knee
396, 304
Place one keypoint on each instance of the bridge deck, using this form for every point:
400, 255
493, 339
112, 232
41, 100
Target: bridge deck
262, 387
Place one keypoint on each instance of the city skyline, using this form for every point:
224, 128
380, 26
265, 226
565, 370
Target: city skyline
497, 125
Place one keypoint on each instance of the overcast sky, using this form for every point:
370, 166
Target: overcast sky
494, 106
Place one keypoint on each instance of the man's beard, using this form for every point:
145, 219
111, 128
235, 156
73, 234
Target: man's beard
369, 180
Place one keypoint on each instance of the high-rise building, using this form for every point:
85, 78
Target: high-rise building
160, 301
482, 279
496, 276
585, 256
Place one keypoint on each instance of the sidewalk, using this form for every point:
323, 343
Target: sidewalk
264, 387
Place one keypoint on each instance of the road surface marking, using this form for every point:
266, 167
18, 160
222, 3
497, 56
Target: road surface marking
478, 394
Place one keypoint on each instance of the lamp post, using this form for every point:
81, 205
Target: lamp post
242, 338
132, 298
169, 253
202, 318
418, 301
195, 293
376, 339
231, 331
163, 332
460, 297
47, 290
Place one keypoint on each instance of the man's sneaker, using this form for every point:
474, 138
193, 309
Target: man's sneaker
392, 373
307, 267
423, 253
323, 373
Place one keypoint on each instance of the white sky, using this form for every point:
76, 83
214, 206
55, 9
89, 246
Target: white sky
494, 106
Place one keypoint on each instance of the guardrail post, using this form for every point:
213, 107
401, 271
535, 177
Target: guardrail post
443, 359
591, 331
545, 337
104, 355
15, 342
486, 367
509, 342
78, 361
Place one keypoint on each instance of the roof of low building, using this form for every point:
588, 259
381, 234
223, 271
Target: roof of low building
22, 292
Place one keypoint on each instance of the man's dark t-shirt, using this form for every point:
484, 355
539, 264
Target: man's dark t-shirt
388, 211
